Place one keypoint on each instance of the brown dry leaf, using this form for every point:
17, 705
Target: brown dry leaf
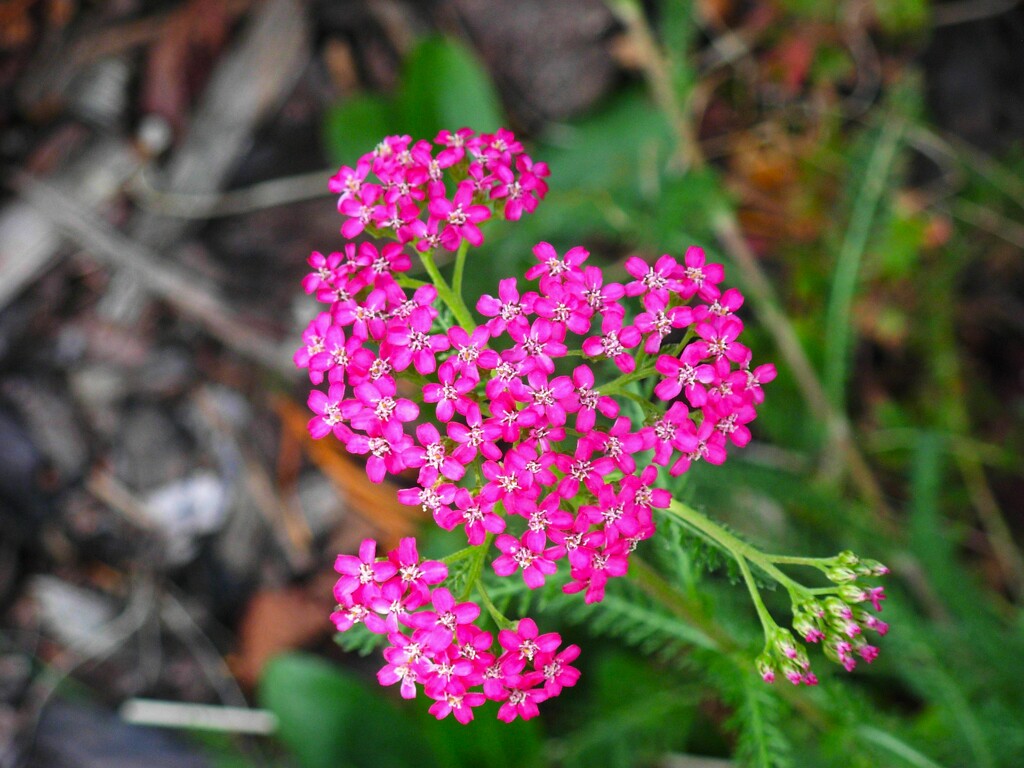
377, 504
180, 59
279, 620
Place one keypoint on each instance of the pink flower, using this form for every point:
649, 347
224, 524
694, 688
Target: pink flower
411, 342
359, 571
581, 468
685, 374
755, 378
611, 560
313, 343
432, 459
385, 452
461, 705
455, 146
719, 335
327, 408
552, 270
557, 672
340, 358
698, 277
657, 280
524, 643
564, 308
377, 408
659, 321
536, 347
450, 393
416, 576
324, 275
507, 310
460, 217
521, 697
516, 555
470, 351
360, 209
674, 431
476, 513
586, 402
442, 622
602, 299
475, 437
620, 443
542, 518
615, 343
546, 397
406, 665
391, 602
348, 182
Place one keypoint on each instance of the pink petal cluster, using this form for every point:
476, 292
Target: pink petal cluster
503, 438
434, 644
398, 190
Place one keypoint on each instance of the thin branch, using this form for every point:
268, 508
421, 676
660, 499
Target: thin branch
199, 206
170, 283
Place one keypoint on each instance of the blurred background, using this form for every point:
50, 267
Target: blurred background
168, 528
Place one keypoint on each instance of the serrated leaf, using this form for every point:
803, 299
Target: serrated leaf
760, 740
360, 640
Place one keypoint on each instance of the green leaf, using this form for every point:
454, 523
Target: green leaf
330, 719
484, 742
902, 16
761, 741
445, 87
356, 126
896, 747
686, 208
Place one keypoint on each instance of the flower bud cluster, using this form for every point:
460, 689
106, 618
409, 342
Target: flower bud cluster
433, 642
837, 621
783, 655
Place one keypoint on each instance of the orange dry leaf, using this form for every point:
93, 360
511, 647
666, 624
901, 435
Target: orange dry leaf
377, 504
278, 620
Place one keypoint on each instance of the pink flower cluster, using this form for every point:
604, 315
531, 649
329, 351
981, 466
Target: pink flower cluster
486, 170
518, 448
433, 642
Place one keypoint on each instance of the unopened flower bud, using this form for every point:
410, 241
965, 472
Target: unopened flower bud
841, 574
836, 607
875, 568
807, 627
871, 622
764, 668
847, 559
784, 644
851, 593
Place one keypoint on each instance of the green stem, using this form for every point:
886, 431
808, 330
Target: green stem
767, 622
460, 266
444, 291
615, 385
499, 618
737, 547
821, 563
473, 576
